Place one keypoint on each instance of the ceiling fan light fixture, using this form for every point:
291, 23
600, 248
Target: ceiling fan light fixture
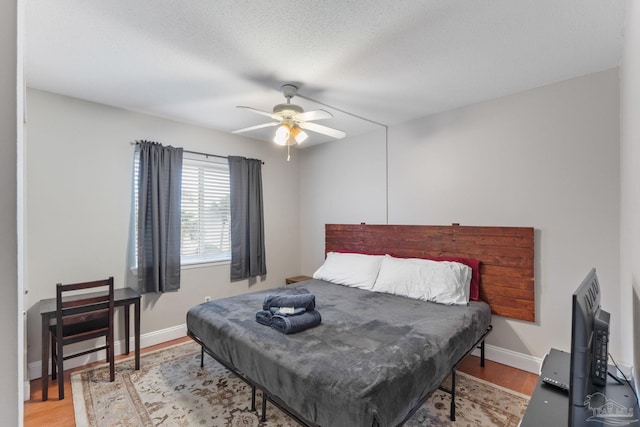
282, 134
299, 135
292, 121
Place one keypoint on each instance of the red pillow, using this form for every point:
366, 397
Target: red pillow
474, 289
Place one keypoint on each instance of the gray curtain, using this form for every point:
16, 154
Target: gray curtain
248, 257
159, 194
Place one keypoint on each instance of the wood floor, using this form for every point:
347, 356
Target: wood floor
59, 413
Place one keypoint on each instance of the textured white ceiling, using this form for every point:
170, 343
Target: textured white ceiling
387, 61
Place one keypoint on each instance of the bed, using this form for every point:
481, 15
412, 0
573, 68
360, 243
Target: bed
374, 359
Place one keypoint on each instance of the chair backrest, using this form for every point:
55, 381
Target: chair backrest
84, 307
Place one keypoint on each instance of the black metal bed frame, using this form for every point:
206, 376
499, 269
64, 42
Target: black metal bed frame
452, 390
268, 396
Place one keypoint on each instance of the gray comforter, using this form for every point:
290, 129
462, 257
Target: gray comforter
368, 363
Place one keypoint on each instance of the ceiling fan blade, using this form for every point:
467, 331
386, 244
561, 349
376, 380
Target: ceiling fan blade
314, 127
263, 113
264, 125
313, 115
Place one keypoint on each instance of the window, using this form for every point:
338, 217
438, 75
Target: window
205, 211
206, 217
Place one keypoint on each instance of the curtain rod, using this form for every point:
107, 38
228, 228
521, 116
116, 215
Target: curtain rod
197, 152
204, 154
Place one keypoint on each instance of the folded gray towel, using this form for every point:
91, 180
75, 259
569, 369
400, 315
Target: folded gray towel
287, 311
306, 301
264, 317
298, 323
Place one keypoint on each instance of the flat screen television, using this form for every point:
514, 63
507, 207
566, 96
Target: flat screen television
589, 336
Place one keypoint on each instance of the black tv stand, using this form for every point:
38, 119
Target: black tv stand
549, 405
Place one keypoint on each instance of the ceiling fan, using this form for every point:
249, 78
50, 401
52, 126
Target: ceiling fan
293, 120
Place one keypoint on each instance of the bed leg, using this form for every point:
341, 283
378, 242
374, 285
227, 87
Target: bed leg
253, 398
202, 356
453, 395
264, 408
482, 354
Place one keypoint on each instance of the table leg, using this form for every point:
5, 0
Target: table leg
45, 357
136, 320
127, 309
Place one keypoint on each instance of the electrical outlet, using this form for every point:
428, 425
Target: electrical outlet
207, 298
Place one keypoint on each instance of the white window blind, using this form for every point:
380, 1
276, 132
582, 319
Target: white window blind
206, 216
205, 211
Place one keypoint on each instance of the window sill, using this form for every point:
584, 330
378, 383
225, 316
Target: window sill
195, 264
204, 264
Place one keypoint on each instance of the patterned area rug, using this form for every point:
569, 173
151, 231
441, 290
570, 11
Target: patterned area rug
171, 389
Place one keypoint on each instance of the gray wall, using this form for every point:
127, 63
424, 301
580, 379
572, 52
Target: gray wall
79, 162
461, 166
546, 158
11, 384
629, 189
341, 182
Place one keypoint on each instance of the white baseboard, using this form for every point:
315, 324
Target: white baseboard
159, 337
27, 390
511, 358
496, 354
34, 369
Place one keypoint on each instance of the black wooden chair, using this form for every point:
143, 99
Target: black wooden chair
81, 317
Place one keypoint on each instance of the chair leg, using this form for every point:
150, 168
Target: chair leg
111, 358
60, 360
54, 346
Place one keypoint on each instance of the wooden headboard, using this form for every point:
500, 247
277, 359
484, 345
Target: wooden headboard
505, 253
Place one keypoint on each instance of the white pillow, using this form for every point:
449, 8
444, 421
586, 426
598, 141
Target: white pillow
444, 282
355, 270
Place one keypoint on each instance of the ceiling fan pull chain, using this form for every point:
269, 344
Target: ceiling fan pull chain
288, 152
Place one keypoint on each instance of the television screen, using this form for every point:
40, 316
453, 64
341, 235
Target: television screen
589, 336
